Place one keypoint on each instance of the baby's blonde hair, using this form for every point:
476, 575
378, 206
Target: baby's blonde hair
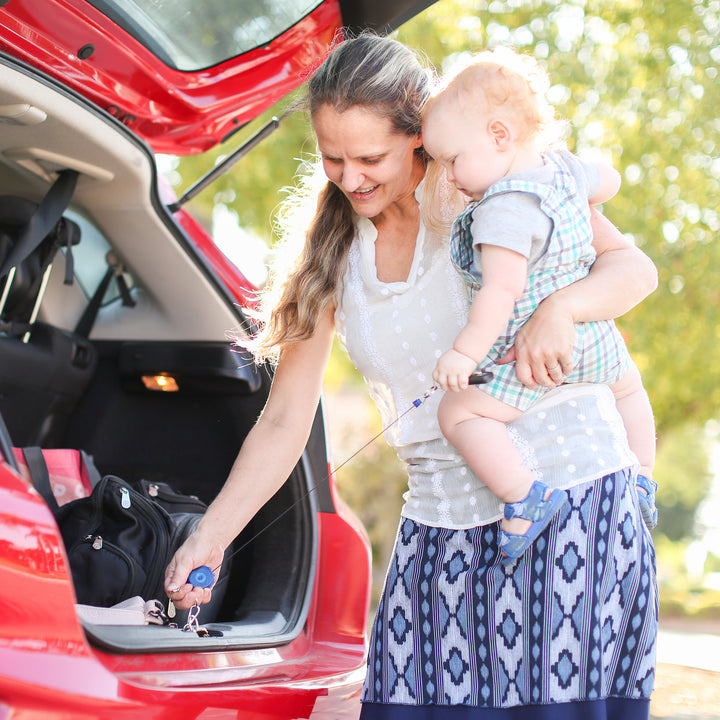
495, 81
508, 83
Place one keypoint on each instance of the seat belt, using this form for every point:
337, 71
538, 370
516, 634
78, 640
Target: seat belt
115, 270
43, 220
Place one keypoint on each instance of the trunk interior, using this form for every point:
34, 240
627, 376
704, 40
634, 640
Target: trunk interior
97, 389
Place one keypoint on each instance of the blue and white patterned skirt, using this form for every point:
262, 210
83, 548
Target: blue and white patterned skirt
573, 621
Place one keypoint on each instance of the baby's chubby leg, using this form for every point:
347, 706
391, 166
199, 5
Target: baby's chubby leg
474, 423
634, 407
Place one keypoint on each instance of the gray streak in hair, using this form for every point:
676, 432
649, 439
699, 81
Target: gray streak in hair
377, 73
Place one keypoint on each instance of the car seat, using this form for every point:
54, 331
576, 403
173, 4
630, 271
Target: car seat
43, 369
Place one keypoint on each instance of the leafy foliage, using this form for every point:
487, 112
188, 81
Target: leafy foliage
638, 83
683, 479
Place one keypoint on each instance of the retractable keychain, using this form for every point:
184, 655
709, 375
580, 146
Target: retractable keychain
204, 577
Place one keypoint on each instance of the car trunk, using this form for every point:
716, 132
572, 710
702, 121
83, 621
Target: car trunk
188, 439
65, 390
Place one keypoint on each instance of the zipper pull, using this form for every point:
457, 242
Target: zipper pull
97, 542
153, 490
125, 498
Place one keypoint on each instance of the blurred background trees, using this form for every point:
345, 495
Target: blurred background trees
639, 84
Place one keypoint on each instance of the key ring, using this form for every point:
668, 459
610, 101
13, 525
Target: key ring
192, 624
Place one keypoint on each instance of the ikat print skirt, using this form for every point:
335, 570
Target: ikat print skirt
574, 620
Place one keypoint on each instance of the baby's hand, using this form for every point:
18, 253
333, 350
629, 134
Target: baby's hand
453, 370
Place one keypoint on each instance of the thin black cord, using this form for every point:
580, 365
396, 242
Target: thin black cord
475, 379
415, 404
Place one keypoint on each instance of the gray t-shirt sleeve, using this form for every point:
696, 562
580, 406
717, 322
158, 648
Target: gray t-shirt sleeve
512, 220
586, 173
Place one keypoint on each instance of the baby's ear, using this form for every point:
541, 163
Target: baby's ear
499, 132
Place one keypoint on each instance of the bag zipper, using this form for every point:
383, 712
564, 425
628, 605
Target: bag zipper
99, 543
148, 510
125, 500
169, 499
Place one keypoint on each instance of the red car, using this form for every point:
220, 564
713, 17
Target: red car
118, 347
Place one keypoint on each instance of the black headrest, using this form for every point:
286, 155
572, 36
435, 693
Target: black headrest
15, 213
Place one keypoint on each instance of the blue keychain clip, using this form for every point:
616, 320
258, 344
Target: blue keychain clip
201, 577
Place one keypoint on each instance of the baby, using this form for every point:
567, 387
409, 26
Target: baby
525, 234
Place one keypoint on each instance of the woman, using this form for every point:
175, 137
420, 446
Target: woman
456, 632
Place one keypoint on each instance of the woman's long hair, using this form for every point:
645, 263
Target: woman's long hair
368, 71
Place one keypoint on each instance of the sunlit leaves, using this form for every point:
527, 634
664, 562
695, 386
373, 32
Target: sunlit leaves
638, 83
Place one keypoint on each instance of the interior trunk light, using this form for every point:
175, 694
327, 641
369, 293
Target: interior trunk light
162, 382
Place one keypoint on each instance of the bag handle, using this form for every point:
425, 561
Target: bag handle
6, 446
93, 473
40, 476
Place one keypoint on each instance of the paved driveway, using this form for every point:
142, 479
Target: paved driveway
687, 686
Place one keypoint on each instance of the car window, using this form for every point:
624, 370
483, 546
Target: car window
90, 258
187, 35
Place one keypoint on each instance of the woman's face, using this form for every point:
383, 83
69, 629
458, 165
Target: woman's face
371, 163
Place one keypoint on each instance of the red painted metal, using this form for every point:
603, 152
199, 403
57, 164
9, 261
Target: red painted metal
48, 669
176, 112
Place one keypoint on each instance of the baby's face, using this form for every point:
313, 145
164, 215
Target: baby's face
461, 142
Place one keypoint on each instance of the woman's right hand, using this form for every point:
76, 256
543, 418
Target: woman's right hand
544, 346
195, 552
621, 277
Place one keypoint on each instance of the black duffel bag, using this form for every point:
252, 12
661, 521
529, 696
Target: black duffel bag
120, 539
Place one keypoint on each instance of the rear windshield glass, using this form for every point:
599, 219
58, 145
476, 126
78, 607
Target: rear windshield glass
190, 35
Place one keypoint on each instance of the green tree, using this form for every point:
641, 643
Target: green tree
683, 466
636, 81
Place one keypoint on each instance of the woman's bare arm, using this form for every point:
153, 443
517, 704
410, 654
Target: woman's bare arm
266, 459
621, 277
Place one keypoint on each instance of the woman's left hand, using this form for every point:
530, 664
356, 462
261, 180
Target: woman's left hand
543, 348
621, 277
